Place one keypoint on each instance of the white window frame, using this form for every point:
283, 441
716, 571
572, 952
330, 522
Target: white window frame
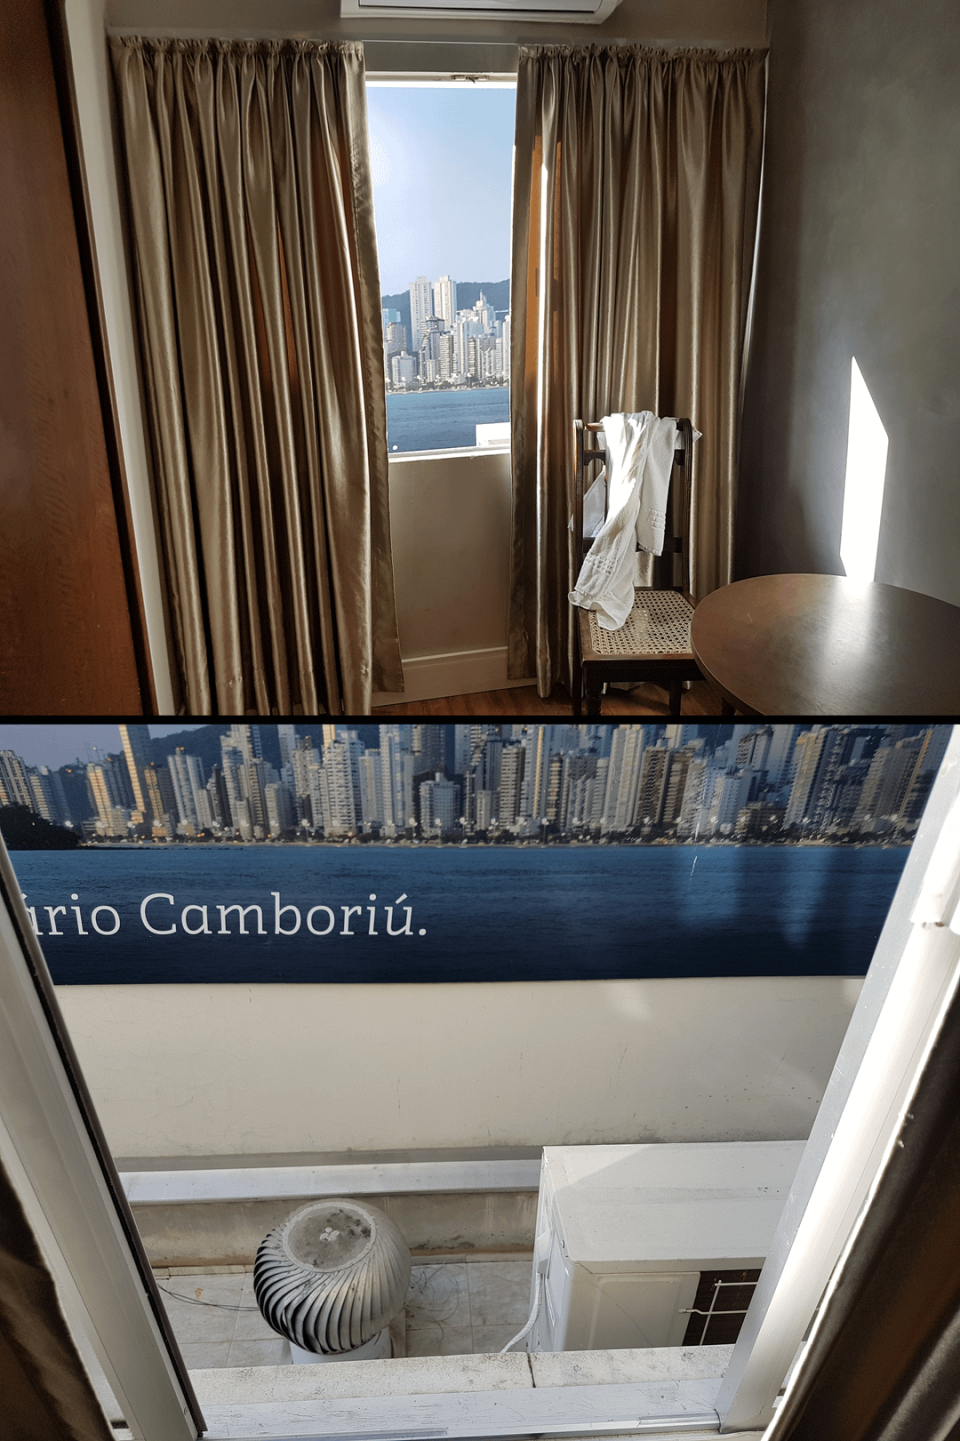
45, 1141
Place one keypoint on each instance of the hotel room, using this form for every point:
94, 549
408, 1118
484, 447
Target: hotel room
853, 283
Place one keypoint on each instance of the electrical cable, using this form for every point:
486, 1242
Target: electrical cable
535, 1312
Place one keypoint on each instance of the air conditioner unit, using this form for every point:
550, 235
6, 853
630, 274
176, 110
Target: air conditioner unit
626, 1231
557, 12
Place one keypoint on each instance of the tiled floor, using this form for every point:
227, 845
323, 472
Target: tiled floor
466, 1307
455, 1307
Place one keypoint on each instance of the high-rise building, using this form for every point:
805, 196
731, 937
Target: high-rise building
370, 773
445, 300
49, 799
731, 791
447, 351
398, 765
279, 809
421, 306
511, 782
403, 368
161, 799
108, 795
439, 805
394, 342
14, 781
623, 778
218, 803
340, 784
428, 745
690, 820
809, 753
781, 756
579, 771
187, 779
135, 740
246, 739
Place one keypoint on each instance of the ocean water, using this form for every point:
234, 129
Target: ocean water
443, 419
458, 913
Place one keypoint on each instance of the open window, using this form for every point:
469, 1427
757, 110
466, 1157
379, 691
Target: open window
66, 1184
441, 151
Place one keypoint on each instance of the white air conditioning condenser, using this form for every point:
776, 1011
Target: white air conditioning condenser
624, 1233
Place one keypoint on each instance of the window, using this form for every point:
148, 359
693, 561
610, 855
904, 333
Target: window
902, 1007
441, 153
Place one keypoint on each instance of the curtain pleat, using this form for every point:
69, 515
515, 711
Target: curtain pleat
257, 283
635, 202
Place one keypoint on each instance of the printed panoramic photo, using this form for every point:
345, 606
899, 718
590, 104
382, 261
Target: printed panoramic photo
472, 852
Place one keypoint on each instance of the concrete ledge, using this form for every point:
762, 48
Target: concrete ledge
250, 1183
227, 1233
410, 1376
602, 1368
218, 1217
467, 1397
554, 1411
435, 1375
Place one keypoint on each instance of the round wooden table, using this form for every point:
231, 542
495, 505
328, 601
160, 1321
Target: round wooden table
825, 645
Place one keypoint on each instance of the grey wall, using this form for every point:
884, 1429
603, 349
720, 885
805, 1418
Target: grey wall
859, 255
669, 22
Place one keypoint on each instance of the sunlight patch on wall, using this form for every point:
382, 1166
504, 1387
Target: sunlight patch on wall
863, 486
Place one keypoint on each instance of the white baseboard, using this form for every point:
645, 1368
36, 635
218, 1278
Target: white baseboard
464, 672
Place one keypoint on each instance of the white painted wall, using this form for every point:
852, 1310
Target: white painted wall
450, 522
234, 1070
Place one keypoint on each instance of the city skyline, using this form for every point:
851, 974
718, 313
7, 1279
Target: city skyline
519, 781
435, 342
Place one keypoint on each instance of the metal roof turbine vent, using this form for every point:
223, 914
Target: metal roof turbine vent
331, 1279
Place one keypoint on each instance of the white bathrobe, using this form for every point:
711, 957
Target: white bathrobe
640, 452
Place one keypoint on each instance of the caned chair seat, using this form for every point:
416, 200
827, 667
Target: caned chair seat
658, 625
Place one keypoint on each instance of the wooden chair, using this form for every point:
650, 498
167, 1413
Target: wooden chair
653, 644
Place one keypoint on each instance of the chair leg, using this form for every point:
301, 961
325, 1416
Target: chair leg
676, 695
576, 684
594, 690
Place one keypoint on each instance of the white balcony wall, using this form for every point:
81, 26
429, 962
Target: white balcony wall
248, 1070
450, 523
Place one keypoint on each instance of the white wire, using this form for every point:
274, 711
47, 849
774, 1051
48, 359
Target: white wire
537, 1298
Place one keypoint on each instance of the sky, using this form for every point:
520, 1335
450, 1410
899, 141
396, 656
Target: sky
60, 745
442, 178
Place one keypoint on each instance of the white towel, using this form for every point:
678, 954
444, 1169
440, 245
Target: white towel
640, 452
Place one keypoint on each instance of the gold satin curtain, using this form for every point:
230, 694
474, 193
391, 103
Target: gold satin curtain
636, 187
258, 291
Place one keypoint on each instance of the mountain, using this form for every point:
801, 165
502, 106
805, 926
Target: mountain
496, 291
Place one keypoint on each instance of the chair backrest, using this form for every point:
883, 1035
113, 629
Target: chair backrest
587, 451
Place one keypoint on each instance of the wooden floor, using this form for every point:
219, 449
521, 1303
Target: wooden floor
521, 701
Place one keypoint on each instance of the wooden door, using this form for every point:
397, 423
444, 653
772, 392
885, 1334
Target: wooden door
66, 624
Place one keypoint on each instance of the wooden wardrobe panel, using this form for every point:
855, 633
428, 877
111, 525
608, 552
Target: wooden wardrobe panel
66, 642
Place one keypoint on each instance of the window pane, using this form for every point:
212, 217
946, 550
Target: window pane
442, 171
